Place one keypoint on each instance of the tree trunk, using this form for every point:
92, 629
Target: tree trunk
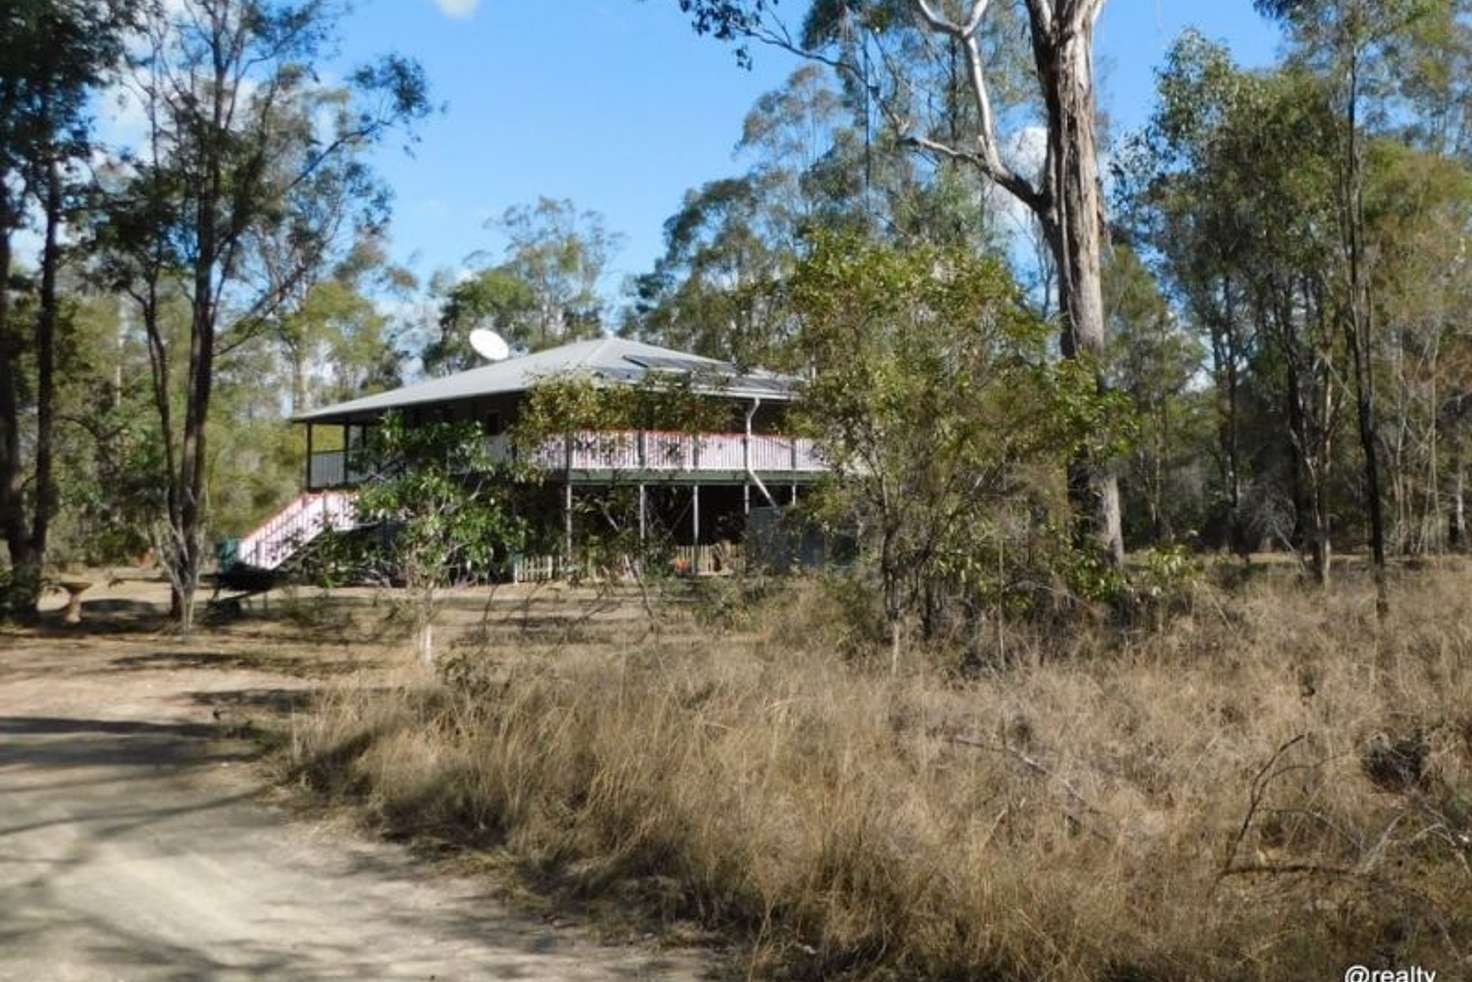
1359, 327
1458, 531
199, 382
890, 576
1431, 521
26, 539
1299, 441
1164, 531
424, 625
158, 356
1068, 206
23, 584
1229, 351
192, 458
1323, 462
1369, 446
1321, 546
192, 475
1077, 235
46, 320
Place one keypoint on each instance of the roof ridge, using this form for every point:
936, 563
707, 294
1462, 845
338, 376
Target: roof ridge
591, 358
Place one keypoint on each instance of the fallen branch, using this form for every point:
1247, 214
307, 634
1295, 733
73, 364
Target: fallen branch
1039, 768
1264, 869
1260, 782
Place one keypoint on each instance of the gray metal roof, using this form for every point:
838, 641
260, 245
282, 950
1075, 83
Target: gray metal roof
604, 360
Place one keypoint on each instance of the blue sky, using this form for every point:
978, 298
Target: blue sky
617, 105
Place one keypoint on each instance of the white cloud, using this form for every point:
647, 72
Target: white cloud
123, 121
459, 9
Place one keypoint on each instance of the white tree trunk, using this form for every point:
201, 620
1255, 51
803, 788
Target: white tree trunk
424, 625
1069, 205
1459, 508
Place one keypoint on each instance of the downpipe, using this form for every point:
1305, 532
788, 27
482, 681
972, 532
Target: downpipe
746, 455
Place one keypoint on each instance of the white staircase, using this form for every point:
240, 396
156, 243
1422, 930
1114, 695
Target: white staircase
276, 541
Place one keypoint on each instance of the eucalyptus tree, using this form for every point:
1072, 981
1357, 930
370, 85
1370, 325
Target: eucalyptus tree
1432, 79
817, 160
55, 56
715, 289
1065, 197
1235, 196
336, 342
1353, 44
495, 298
1178, 197
1418, 213
546, 290
1154, 361
244, 146
1277, 160
787, 134
561, 253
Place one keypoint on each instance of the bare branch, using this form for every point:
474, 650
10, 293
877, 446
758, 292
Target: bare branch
941, 24
1042, 770
1260, 782
987, 158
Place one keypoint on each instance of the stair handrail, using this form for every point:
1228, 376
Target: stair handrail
305, 518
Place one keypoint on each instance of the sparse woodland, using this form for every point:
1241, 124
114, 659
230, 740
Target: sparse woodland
1152, 661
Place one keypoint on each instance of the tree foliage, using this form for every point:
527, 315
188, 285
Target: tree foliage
934, 399
547, 291
1064, 197
1283, 244
252, 174
56, 54
443, 510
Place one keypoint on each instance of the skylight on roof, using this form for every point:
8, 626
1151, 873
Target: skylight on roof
663, 363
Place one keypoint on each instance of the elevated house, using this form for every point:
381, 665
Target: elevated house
700, 486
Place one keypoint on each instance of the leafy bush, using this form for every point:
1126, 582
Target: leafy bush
949, 427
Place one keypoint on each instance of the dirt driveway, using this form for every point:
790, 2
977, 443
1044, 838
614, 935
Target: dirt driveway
136, 841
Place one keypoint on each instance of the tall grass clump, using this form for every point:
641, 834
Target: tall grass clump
1265, 787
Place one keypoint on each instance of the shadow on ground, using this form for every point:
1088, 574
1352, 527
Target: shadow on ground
258, 660
47, 742
266, 701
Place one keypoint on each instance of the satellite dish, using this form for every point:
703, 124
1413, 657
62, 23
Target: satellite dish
489, 345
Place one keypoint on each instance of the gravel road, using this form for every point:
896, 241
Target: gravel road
136, 844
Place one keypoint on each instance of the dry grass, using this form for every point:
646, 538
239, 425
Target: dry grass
1268, 788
